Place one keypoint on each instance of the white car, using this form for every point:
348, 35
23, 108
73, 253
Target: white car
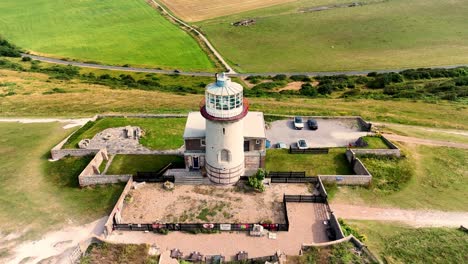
298, 124
302, 144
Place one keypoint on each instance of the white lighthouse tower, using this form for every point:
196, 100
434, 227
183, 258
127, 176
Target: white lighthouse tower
224, 109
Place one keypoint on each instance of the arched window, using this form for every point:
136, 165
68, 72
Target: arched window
224, 155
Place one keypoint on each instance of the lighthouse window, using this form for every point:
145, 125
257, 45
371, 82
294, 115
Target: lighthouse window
224, 131
224, 155
232, 102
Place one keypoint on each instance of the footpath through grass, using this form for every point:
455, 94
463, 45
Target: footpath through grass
333, 163
395, 243
377, 35
114, 32
38, 195
439, 181
159, 133
131, 164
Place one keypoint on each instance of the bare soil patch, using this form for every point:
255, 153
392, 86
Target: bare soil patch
202, 204
197, 10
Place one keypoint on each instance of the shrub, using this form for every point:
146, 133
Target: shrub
26, 59
348, 230
300, 78
325, 89
308, 90
8, 50
280, 77
256, 180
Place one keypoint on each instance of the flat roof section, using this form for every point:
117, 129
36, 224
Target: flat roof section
254, 125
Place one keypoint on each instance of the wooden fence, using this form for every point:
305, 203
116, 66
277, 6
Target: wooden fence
295, 180
286, 174
305, 198
308, 150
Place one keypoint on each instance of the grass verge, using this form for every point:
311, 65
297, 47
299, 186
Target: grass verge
38, 195
440, 182
118, 253
396, 243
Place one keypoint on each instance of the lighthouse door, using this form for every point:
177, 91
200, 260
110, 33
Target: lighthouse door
195, 163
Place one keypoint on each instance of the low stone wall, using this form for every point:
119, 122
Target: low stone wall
57, 154
92, 176
347, 179
378, 152
254, 161
117, 208
141, 115
103, 179
335, 225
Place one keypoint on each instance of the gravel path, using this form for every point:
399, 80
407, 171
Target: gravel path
429, 142
416, 218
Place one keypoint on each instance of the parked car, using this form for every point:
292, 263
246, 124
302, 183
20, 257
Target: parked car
281, 145
302, 144
298, 124
267, 143
312, 124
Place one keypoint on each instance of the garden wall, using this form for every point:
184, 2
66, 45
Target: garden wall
347, 179
92, 176
117, 208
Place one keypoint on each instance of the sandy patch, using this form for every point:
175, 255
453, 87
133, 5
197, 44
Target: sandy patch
207, 203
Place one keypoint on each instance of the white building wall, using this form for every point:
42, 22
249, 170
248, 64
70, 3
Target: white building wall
224, 136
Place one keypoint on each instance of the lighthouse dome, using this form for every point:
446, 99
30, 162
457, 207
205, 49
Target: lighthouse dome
224, 98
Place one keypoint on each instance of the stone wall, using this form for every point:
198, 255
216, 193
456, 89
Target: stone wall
57, 154
103, 179
347, 179
254, 160
335, 225
117, 208
92, 176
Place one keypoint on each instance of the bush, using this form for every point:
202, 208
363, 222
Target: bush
280, 77
300, 78
325, 89
26, 59
256, 180
308, 90
348, 230
8, 50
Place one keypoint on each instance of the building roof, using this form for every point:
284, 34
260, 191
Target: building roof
254, 125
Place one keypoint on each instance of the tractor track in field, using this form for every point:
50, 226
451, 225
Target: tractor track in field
209, 74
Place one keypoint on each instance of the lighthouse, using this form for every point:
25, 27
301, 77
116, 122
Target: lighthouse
224, 109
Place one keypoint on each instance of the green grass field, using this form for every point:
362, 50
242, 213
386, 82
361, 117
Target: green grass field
378, 35
332, 163
114, 32
159, 133
38, 195
131, 164
440, 181
375, 143
396, 243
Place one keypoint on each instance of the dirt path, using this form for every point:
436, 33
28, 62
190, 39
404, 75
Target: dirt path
429, 142
70, 122
417, 218
53, 245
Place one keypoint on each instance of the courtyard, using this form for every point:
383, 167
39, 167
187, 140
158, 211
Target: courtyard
208, 204
306, 226
330, 133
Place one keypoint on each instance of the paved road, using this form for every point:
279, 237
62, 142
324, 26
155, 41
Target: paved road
135, 69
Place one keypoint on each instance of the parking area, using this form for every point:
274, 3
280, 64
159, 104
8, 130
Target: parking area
330, 133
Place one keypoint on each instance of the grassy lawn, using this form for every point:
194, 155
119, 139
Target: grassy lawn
378, 35
395, 243
131, 164
332, 163
118, 253
388, 174
375, 143
113, 32
159, 133
38, 195
440, 181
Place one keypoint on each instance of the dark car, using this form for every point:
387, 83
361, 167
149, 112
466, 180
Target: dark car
312, 124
